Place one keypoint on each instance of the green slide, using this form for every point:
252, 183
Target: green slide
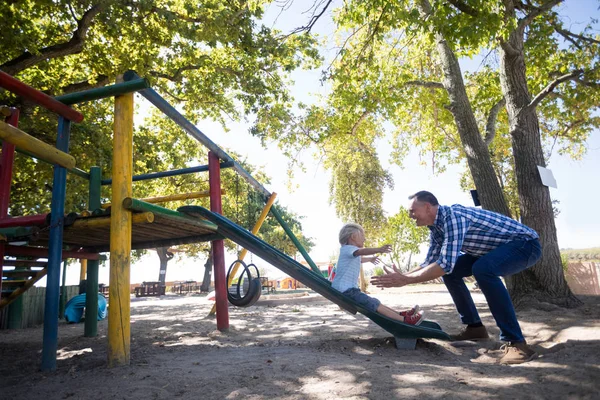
319, 284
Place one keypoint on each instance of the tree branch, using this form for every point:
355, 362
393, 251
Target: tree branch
587, 83
509, 49
548, 89
570, 36
176, 77
358, 122
490, 126
369, 40
464, 7
73, 46
564, 132
312, 22
536, 11
101, 80
427, 84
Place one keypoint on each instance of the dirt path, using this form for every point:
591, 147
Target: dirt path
306, 350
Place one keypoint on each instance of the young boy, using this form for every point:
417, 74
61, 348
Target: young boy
352, 239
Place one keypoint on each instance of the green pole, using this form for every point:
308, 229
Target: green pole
105, 91
91, 290
291, 235
141, 206
15, 309
15, 314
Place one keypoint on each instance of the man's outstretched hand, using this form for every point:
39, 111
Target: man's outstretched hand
391, 279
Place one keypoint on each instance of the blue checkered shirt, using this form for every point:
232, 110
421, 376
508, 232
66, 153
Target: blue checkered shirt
472, 231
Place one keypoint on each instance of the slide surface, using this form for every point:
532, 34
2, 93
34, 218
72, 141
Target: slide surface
319, 284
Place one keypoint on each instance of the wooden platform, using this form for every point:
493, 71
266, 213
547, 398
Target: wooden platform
160, 227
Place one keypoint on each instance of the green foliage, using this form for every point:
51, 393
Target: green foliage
404, 235
564, 260
388, 82
378, 271
357, 186
212, 59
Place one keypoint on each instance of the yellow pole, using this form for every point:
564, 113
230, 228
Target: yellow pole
101, 222
243, 253
120, 234
41, 150
171, 197
83, 269
363, 281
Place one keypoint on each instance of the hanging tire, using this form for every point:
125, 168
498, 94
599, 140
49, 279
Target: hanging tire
253, 293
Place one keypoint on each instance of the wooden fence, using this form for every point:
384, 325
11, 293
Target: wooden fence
33, 307
584, 277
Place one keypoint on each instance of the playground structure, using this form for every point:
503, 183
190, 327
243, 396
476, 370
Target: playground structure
131, 223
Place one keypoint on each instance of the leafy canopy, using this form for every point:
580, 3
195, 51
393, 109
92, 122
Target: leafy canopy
210, 58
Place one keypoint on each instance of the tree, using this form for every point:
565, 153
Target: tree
206, 279
165, 256
398, 62
405, 237
212, 59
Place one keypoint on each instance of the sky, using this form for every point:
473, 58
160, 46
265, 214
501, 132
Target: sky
577, 224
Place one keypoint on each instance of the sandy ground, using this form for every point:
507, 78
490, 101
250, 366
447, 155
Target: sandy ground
306, 348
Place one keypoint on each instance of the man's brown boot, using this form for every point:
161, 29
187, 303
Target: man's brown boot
472, 333
516, 353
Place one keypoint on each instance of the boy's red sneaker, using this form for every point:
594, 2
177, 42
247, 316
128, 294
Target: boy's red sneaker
410, 312
414, 319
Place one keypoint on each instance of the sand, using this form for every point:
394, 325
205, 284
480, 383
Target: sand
306, 348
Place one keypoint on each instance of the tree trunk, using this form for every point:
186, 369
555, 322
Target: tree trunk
478, 158
165, 256
207, 274
545, 281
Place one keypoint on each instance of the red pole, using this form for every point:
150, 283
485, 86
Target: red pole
214, 180
30, 220
6, 169
27, 92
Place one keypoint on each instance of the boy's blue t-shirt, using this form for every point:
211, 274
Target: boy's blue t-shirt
347, 269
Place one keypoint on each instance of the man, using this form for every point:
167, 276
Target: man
467, 241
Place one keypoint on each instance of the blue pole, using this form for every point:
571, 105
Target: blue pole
50, 344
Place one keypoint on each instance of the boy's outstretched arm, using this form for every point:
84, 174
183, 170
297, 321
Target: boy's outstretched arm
367, 251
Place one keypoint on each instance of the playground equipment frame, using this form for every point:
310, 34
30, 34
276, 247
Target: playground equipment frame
121, 209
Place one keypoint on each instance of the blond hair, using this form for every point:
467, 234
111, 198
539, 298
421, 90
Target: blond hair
348, 230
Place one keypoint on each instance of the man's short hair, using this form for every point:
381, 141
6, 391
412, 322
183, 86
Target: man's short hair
425, 197
347, 231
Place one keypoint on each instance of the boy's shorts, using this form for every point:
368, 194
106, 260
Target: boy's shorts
370, 303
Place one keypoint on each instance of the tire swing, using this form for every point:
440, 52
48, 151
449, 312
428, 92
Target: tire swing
254, 289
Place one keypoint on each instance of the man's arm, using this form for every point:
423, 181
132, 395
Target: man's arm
397, 279
454, 234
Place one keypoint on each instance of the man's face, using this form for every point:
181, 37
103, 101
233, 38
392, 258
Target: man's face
420, 212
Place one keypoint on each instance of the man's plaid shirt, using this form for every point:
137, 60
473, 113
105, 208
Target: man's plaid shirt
470, 230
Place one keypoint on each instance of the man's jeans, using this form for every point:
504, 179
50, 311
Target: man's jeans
505, 260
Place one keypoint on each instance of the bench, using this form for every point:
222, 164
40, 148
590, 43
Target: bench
149, 289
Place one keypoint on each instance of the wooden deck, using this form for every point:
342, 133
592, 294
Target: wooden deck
159, 227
